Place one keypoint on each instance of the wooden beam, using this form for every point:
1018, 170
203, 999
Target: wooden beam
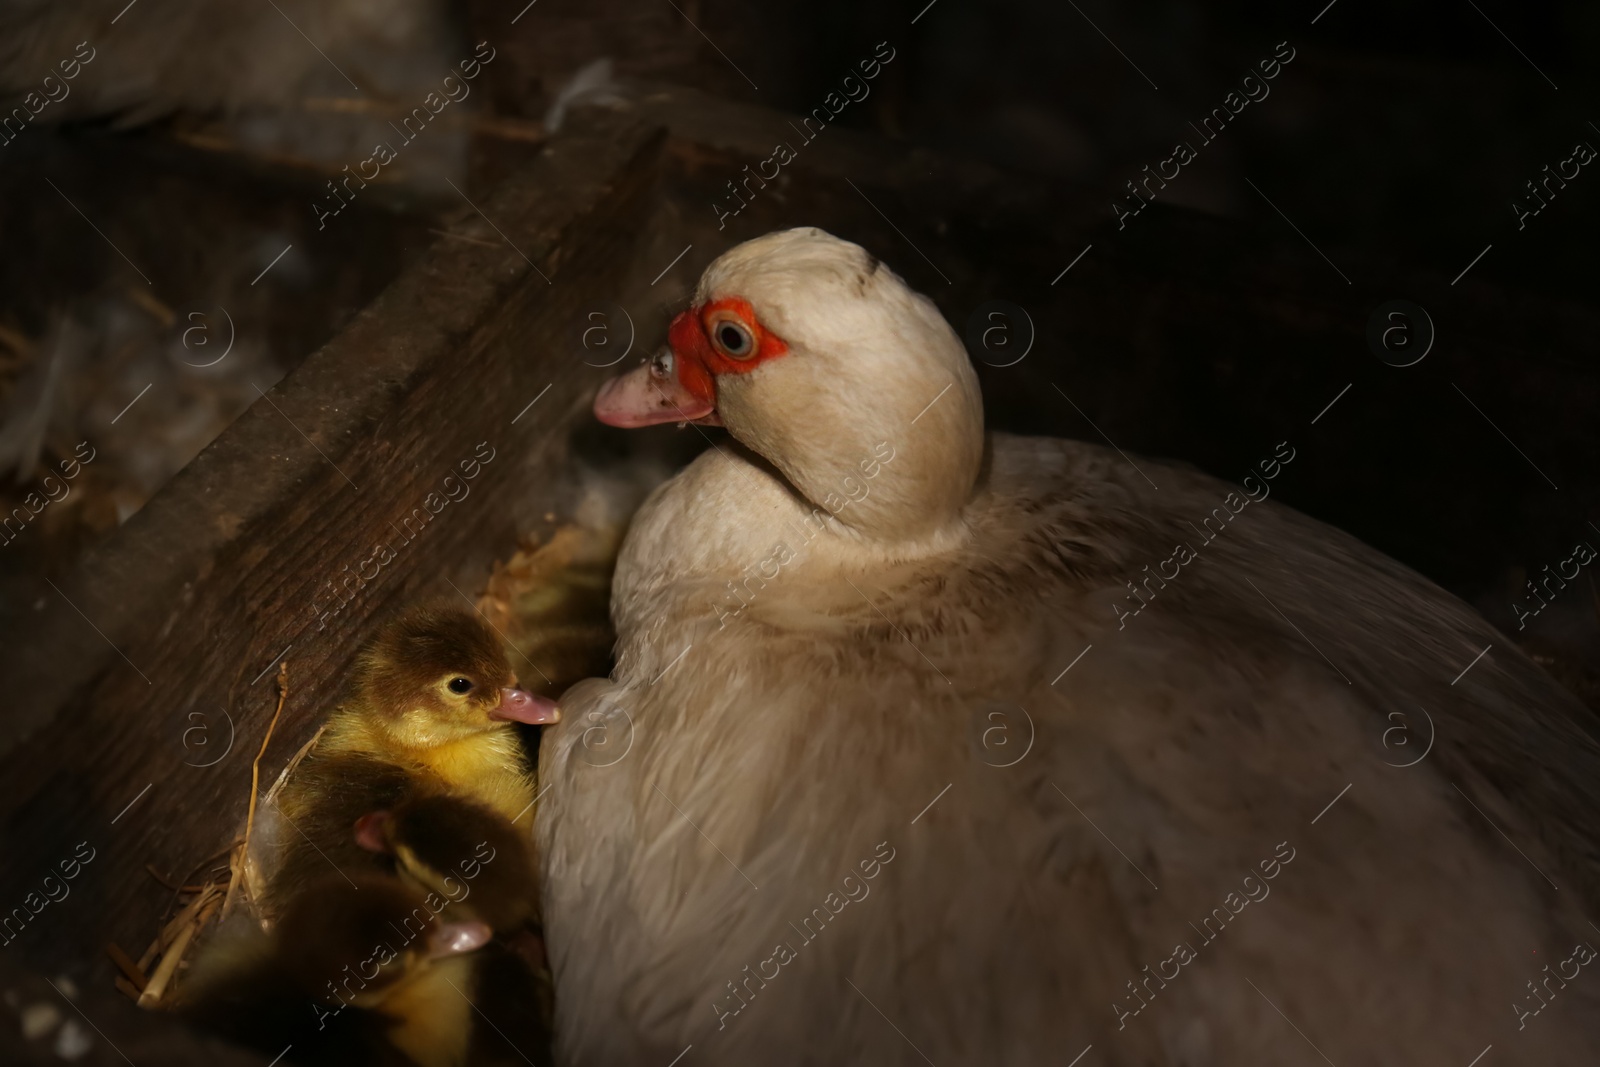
175, 622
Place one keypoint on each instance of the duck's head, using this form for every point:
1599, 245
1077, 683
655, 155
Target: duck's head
436, 675
818, 357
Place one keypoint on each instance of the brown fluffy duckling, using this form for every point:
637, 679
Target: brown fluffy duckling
461, 851
430, 711
475, 865
484, 867
355, 971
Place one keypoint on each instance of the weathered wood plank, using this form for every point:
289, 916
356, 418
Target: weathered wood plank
231, 562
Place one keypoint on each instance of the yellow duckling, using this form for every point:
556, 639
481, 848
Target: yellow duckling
429, 712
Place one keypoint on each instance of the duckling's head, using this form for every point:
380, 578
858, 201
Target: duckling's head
435, 675
461, 851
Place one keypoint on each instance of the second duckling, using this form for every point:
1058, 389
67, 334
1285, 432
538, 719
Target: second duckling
355, 971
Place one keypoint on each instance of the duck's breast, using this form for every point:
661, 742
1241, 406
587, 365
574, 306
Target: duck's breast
969, 796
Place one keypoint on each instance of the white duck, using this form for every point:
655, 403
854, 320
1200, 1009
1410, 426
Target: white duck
782, 833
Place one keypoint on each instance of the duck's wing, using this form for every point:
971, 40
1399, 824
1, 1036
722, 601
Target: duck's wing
1201, 573
1212, 683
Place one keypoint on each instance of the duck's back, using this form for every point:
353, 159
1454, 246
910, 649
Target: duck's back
997, 805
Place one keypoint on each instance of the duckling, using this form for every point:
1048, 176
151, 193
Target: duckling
359, 971
429, 712
516, 1000
461, 851
466, 855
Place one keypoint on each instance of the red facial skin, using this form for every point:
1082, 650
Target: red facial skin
699, 361
684, 387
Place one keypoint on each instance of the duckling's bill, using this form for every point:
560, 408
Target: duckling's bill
458, 938
519, 705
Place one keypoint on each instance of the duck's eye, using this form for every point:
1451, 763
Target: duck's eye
460, 685
733, 339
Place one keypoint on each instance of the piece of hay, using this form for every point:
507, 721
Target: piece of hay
236, 861
126, 965
211, 898
177, 937
170, 884
253, 878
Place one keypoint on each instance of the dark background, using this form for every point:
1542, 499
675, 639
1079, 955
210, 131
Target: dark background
1395, 141
179, 178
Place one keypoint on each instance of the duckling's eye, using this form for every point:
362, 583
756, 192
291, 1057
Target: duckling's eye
733, 339
459, 685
